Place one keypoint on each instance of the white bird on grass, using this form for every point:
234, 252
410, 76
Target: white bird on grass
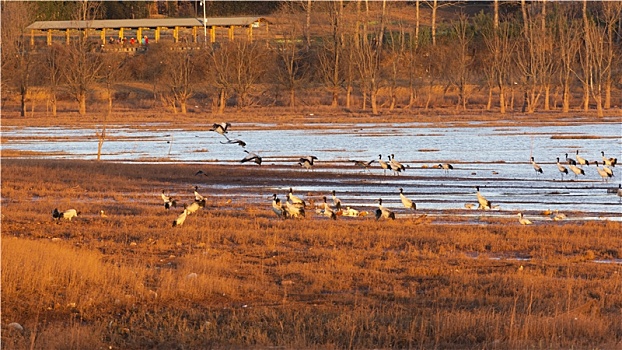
294, 211
67, 214
278, 207
328, 212
295, 199
522, 220
383, 212
181, 218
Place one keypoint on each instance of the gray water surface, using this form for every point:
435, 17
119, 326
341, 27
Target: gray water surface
494, 158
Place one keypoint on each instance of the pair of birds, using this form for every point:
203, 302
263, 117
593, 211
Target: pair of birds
392, 164
223, 129
198, 203
67, 214
294, 207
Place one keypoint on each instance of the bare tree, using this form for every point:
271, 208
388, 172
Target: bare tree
330, 52
291, 70
220, 73
612, 13
51, 69
461, 67
82, 58
16, 51
179, 73
247, 66
534, 58
567, 39
368, 57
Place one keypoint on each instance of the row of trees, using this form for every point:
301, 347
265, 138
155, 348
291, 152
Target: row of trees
356, 52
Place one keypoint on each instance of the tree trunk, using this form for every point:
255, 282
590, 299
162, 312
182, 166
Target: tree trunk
222, 102
547, 97
292, 98
566, 98
417, 23
489, 103
501, 99
22, 111
82, 104
348, 96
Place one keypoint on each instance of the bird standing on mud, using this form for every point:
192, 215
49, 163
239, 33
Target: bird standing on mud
484, 203
408, 204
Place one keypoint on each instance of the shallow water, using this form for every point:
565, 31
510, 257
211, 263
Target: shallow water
494, 158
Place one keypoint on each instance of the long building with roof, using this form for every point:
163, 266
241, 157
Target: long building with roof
178, 28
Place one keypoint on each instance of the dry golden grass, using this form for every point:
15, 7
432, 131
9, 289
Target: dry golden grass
235, 276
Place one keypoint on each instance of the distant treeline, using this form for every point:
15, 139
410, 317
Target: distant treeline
372, 56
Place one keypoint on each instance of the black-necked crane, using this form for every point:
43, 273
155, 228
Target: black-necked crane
294, 211
383, 164
197, 196
483, 202
576, 170
251, 157
562, 169
234, 141
570, 161
536, 167
396, 166
383, 212
609, 161
67, 214
336, 201
200, 172
195, 206
581, 160
602, 172
328, 212
181, 218
168, 201
523, 221
362, 164
608, 171
295, 199
408, 204
557, 216
307, 162
620, 191
220, 128
446, 167
278, 208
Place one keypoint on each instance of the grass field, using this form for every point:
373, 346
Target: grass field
236, 276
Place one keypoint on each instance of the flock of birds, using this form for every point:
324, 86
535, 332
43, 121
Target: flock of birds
294, 206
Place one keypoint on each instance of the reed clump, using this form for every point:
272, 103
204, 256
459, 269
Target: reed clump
232, 277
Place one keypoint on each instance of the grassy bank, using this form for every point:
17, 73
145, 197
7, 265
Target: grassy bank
235, 276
